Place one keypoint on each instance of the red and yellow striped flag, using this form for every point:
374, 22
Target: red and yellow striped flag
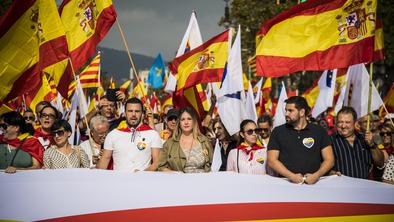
32, 39
318, 35
203, 64
86, 23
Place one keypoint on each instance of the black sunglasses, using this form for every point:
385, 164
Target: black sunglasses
29, 117
250, 132
385, 133
265, 129
4, 126
171, 118
58, 133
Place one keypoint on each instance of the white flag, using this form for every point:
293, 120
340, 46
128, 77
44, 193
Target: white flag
250, 105
192, 37
280, 113
326, 92
217, 158
258, 84
357, 91
231, 94
83, 106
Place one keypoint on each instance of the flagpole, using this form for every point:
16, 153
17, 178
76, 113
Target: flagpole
99, 75
80, 100
369, 94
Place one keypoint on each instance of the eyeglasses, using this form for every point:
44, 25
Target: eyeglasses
27, 118
50, 116
250, 132
4, 126
58, 133
171, 118
385, 133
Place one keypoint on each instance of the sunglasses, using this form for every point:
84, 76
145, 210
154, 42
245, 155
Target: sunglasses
171, 118
50, 116
58, 133
266, 130
250, 132
385, 134
29, 117
4, 126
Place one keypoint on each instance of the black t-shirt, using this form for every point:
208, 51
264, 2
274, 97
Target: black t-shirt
300, 150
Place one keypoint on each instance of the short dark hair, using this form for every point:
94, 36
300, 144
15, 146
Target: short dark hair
14, 118
61, 123
134, 100
244, 123
299, 102
348, 110
265, 118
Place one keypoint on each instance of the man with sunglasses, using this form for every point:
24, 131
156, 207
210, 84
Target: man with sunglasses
170, 122
298, 150
264, 122
133, 145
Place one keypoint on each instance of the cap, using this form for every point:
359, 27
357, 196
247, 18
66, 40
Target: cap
172, 113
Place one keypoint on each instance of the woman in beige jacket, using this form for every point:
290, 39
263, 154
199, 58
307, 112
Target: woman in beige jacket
188, 150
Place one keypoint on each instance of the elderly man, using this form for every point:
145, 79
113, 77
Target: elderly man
354, 153
298, 150
133, 145
99, 127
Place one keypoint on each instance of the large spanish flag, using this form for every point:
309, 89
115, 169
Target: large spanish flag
203, 64
86, 23
31, 40
318, 35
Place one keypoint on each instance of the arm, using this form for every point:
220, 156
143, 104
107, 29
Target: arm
104, 160
377, 155
89, 116
163, 158
35, 165
155, 159
326, 165
275, 164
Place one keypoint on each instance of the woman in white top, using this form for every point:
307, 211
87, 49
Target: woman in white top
63, 154
250, 156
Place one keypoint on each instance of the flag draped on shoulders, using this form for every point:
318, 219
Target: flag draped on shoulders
318, 35
86, 23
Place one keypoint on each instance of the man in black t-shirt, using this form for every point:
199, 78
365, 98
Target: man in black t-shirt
298, 150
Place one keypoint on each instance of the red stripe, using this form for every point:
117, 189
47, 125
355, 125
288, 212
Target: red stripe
13, 13
310, 7
65, 81
339, 56
53, 51
204, 76
241, 211
81, 54
88, 73
94, 64
28, 81
88, 81
222, 37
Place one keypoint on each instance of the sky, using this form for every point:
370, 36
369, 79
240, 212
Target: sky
157, 26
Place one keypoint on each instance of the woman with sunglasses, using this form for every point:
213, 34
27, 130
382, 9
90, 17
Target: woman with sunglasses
250, 156
62, 154
18, 149
188, 150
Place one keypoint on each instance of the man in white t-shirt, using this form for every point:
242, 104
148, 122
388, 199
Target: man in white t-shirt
133, 146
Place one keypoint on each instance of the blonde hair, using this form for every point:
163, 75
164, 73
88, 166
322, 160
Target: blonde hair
178, 131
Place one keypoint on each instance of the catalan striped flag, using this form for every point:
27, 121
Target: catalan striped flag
318, 35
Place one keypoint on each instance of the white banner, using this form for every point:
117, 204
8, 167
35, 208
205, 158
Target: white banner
89, 195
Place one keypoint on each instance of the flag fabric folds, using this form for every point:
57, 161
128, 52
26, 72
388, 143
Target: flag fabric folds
280, 113
325, 98
156, 73
317, 35
203, 64
86, 23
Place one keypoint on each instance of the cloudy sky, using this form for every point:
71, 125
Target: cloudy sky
153, 26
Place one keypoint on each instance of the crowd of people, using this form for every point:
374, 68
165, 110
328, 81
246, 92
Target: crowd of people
302, 150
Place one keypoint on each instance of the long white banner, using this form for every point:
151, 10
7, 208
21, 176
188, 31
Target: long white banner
86, 195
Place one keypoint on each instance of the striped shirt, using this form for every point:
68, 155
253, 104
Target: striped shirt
354, 161
54, 159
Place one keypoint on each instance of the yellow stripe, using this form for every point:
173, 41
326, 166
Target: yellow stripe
88, 76
218, 50
363, 218
51, 23
76, 35
379, 43
301, 35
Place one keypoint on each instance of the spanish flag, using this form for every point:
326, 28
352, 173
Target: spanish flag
31, 40
202, 64
86, 23
318, 35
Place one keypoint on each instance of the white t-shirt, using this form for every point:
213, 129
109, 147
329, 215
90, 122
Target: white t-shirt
85, 146
132, 155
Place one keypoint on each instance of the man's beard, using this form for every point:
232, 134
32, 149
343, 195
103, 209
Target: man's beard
292, 122
135, 125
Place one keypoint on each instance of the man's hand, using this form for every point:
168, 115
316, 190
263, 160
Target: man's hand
311, 178
333, 172
120, 96
297, 178
10, 169
369, 138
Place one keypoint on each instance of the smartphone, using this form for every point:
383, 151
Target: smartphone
111, 94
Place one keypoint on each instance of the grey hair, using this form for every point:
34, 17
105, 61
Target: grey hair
96, 120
